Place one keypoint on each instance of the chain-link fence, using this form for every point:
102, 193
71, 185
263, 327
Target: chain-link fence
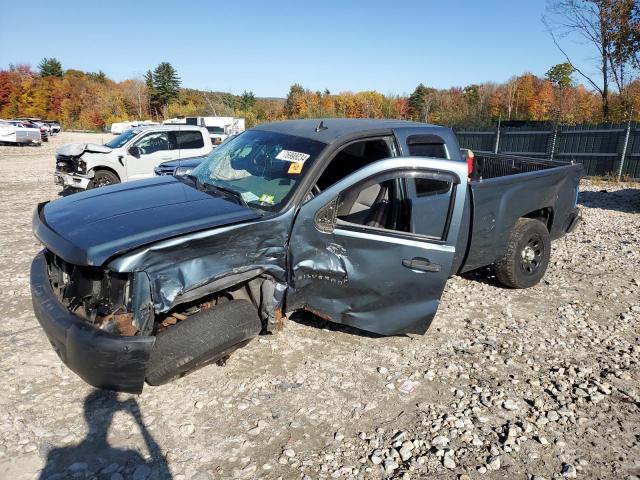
606, 149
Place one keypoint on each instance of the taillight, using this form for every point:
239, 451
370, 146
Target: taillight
470, 157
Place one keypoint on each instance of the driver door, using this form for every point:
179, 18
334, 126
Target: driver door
153, 149
360, 257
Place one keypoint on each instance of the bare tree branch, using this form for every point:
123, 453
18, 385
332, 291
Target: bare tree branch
557, 44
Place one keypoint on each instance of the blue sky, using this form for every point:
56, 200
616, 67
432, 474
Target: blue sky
265, 46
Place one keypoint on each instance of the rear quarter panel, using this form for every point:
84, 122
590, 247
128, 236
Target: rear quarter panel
498, 203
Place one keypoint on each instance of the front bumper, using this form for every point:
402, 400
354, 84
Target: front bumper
70, 180
100, 358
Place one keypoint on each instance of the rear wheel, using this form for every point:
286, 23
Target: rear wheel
102, 178
527, 256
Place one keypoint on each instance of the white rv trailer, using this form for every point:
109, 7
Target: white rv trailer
219, 128
118, 127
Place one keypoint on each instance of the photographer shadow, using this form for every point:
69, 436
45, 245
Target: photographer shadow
93, 457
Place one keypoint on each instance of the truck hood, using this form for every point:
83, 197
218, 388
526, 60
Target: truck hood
183, 162
88, 228
75, 149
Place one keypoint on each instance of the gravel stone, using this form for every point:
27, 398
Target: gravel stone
493, 463
570, 345
390, 466
440, 441
449, 462
569, 471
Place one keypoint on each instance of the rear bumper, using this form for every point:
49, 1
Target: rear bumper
100, 358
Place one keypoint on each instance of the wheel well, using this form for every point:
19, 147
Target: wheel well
107, 169
259, 290
544, 215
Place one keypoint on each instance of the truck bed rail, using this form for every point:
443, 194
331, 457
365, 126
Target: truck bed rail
491, 165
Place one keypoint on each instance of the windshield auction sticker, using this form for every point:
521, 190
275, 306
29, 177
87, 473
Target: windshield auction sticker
295, 168
291, 156
266, 198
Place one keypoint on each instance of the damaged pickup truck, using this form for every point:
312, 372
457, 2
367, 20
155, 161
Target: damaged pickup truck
360, 222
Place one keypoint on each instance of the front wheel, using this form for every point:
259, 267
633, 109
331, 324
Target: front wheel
527, 256
102, 178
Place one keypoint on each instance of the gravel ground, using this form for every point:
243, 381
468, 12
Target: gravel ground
537, 383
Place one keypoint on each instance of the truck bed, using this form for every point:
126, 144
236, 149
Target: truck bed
489, 165
506, 188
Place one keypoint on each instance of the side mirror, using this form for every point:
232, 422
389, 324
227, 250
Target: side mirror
134, 151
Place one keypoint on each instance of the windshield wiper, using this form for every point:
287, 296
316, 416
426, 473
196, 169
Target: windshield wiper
228, 192
192, 177
196, 181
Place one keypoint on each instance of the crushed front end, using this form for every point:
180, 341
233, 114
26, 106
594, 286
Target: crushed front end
71, 171
85, 313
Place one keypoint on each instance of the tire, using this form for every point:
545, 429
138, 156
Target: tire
527, 255
202, 339
102, 178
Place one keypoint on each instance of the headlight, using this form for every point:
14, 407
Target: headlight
182, 171
82, 166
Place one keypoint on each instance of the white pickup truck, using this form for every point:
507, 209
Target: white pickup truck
131, 155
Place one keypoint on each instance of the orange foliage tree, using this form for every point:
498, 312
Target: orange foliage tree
93, 101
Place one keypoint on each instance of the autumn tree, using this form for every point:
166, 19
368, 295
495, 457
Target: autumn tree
135, 95
295, 105
610, 27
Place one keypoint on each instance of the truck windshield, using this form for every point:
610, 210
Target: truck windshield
121, 139
260, 166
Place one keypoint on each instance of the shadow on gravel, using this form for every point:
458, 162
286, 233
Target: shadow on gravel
627, 200
483, 275
311, 320
65, 192
93, 457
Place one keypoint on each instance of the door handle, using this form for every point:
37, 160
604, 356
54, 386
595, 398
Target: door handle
421, 264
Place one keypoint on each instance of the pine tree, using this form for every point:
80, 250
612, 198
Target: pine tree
50, 67
99, 77
166, 84
420, 103
560, 75
152, 97
247, 100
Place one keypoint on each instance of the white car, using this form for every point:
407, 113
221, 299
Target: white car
16, 134
132, 155
54, 126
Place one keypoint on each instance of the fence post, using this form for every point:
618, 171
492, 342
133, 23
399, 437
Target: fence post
495, 150
553, 142
624, 149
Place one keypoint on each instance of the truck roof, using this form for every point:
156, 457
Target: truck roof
169, 126
337, 128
